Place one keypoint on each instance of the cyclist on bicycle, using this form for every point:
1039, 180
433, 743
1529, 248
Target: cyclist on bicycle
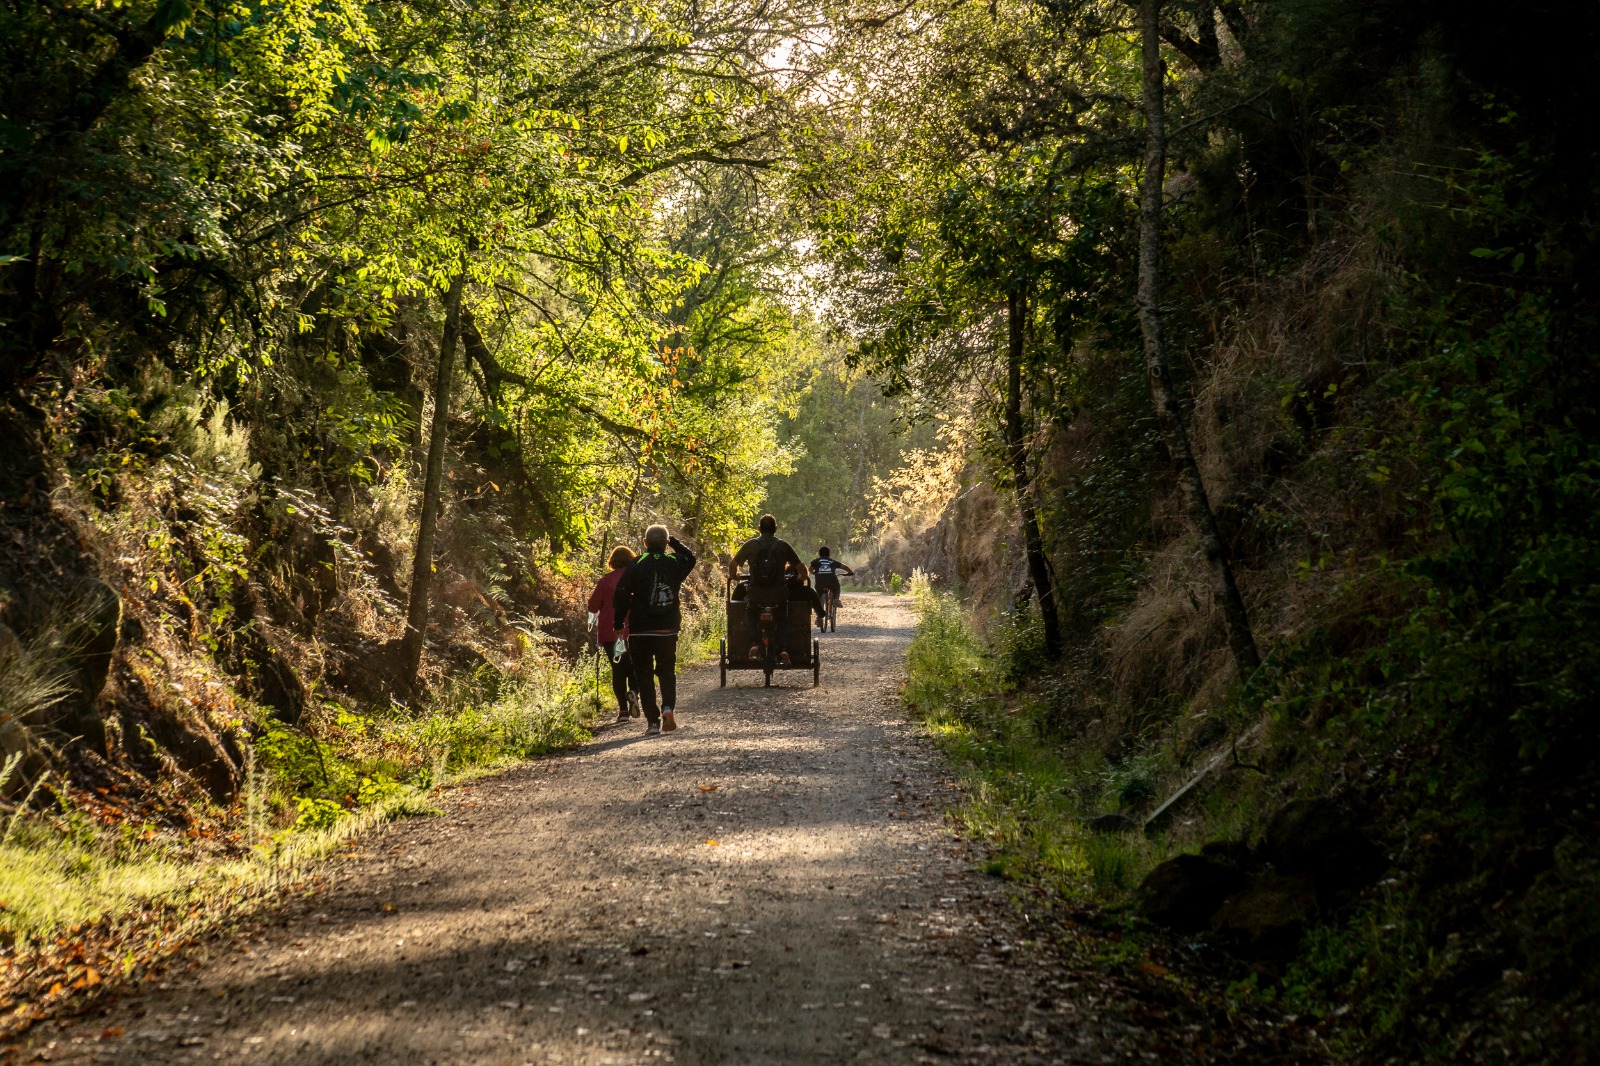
827, 570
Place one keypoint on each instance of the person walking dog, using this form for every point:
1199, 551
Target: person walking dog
608, 636
647, 606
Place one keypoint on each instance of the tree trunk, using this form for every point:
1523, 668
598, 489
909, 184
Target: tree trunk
1038, 566
427, 523
1240, 639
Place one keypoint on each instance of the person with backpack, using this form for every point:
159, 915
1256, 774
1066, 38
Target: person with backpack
647, 605
601, 611
771, 561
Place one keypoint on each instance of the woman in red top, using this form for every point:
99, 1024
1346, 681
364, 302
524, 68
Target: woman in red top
622, 683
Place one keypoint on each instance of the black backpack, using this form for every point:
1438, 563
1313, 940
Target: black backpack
766, 569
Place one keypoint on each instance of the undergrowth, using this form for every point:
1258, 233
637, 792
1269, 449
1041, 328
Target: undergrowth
309, 787
1028, 792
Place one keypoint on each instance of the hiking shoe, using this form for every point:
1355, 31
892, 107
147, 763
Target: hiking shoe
669, 721
653, 727
622, 714
784, 660
755, 652
633, 705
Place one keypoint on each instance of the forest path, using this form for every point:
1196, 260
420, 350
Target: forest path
574, 910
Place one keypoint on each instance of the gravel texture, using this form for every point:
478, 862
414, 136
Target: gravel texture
773, 883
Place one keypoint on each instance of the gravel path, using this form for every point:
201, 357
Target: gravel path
773, 883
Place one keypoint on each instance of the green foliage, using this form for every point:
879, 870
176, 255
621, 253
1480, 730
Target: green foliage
347, 760
1509, 581
845, 436
316, 814
1026, 796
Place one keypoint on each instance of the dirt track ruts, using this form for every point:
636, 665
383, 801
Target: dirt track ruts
773, 883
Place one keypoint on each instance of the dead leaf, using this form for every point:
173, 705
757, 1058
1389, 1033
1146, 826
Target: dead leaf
91, 977
712, 843
111, 1033
709, 788
1154, 969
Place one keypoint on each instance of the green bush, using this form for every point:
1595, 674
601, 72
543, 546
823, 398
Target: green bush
1027, 791
317, 814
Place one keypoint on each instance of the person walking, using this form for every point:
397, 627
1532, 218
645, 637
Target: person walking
647, 606
771, 561
613, 643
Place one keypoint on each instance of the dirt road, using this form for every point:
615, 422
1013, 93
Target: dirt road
773, 883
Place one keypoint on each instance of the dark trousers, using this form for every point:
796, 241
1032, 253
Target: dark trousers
621, 677
825, 585
655, 655
778, 599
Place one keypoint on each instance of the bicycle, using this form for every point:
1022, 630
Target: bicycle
830, 611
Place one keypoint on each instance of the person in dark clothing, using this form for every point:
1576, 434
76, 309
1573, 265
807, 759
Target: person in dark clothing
800, 591
827, 570
771, 562
607, 635
647, 603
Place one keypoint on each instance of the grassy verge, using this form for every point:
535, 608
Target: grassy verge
702, 630
94, 891
1028, 792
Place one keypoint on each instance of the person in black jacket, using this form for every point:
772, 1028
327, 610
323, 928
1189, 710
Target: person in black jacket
646, 602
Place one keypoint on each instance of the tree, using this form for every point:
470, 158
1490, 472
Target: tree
1017, 452
427, 523
1151, 192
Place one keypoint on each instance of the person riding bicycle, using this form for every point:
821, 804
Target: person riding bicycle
827, 570
771, 561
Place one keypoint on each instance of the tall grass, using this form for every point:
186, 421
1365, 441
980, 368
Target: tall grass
703, 628
34, 681
1026, 790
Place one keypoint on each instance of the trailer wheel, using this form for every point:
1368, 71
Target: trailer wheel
816, 663
722, 655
